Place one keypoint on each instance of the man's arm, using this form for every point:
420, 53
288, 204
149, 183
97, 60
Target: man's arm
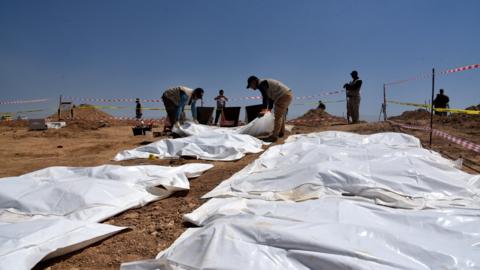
263, 89
270, 104
193, 107
357, 85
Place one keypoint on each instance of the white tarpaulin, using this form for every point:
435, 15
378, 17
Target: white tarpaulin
326, 233
225, 147
23, 244
390, 168
259, 126
82, 195
286, 210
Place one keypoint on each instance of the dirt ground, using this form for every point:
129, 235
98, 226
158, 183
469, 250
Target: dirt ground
154, 227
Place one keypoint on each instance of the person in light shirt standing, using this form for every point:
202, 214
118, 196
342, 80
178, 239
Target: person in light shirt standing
221, 102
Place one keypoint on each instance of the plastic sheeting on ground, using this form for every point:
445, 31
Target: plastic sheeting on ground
67, 200
259, 126
225, 147
24, 244
287, 210
326, 233
390, 168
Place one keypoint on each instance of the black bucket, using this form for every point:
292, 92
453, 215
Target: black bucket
204, 115
252, 112
138, 131
231, 115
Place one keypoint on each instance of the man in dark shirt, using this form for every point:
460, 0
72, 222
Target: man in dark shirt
138, 109
273, 93
353, 97
441, 101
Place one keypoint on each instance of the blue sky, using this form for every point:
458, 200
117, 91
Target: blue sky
121, 49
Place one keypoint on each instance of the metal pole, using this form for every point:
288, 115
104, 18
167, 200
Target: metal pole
59, 105
384, 103
431, 106
346, 102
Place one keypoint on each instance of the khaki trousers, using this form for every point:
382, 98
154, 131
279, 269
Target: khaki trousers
353, 106
281, 107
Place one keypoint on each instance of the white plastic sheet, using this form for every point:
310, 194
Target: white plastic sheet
92, 193
286, 210
259, 126
225, 147
327, 233
54, 208
23, 244
390, 168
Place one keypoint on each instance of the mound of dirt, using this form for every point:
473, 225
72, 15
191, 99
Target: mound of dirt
85, 117
318, 117
474, 107
84, 112
419, 114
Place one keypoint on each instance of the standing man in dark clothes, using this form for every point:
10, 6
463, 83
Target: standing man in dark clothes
273, 93
221, 102
441, 102
353, 97
138, 109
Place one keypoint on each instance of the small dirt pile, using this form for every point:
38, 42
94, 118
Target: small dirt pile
85, 117
318, 117
419, 114
83, 112
466, 121
474, 108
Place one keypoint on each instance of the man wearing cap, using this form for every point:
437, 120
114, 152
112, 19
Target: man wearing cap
353, 97
175, 100
273, 93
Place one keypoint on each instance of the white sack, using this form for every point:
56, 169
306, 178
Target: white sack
259, 126
24, 244
326, 233
390, 168
261, 217
92, 193
225, 147
52, 210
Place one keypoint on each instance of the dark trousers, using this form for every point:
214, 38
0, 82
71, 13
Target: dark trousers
171, 109
218, 112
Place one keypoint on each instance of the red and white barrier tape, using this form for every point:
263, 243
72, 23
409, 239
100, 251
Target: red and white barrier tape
111, 99
453, 70
3, 102
160, 100
425, 76
295, 97
460, 141
416, 78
